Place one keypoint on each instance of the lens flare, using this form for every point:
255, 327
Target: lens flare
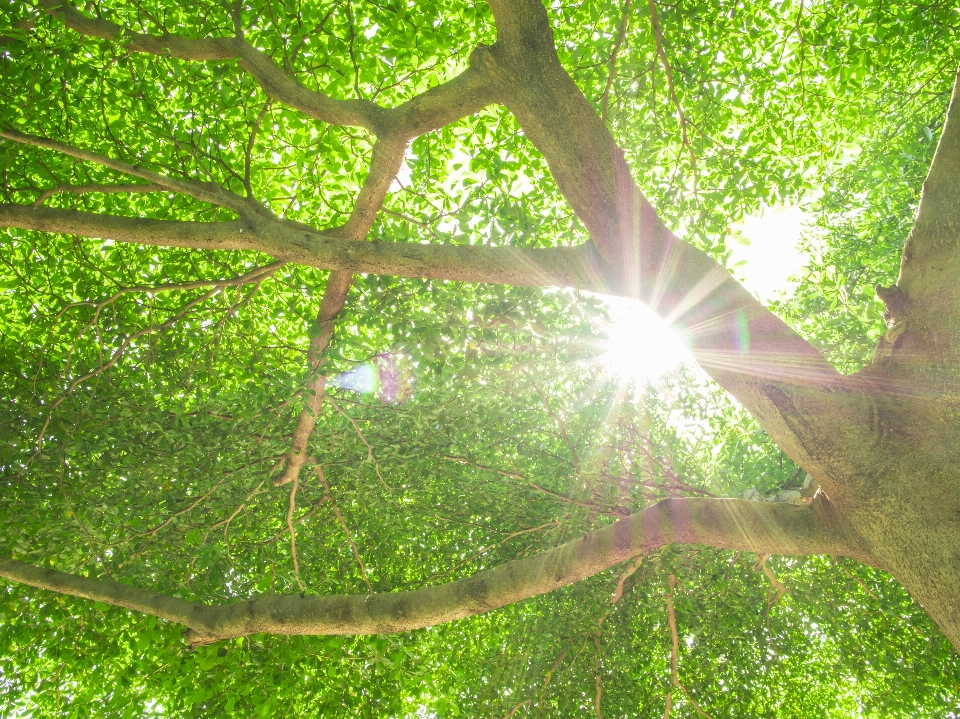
387, 376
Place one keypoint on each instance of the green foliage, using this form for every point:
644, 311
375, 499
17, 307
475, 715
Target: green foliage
142, 415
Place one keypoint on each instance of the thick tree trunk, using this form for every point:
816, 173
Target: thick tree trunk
907, 488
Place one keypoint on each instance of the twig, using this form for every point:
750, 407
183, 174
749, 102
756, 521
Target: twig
599, 678
624, 21
551, 523
857, 579
318, 468
513, 711
226, 522
674, 654
257, 275
83, 527
778, 586
293, 532
550, 673
95, 187
627, 573
464, 460
658, 37
560, 424
248, 156
356, 428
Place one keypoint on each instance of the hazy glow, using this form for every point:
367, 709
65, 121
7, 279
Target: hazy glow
638, 346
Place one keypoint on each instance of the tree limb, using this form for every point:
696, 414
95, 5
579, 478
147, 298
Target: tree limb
720, 523
922, 308
577, 267
206, 192
431, 110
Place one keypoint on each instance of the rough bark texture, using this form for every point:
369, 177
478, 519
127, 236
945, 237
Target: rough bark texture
883, 445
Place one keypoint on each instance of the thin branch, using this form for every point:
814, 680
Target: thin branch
83, 527
370, 455
658, 37
464, 460
439, 106
624, 576
516, 708
674, 651
207, 192
560, 424
611, 74
256, 275
598, 678
95, 187
778, 586
506, 538
248, 154
293, 532
318, 468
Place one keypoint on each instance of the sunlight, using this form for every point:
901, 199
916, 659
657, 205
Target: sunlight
637, 346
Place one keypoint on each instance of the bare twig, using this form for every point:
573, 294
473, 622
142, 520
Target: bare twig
506, 538
674, 653
293, 532
598, 678
627, 573
621, 34
658, 37
464, 460
370, 455
257, 276
778, 586
516, 708
204, 191
83, 527
94, 187
560, 424
248, 155
318, 468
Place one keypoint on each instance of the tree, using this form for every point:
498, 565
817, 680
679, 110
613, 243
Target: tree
245, 175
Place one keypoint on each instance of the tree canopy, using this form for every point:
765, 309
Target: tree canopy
304, 403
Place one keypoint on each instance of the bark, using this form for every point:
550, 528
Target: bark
720, 523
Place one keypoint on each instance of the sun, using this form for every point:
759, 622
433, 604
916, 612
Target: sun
637, 346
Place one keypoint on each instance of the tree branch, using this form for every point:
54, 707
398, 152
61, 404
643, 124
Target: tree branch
720, 523
577, 267
922, 308
206, 192
433, 109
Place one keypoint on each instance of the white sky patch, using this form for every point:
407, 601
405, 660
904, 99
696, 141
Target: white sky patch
403, 177
771, 257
